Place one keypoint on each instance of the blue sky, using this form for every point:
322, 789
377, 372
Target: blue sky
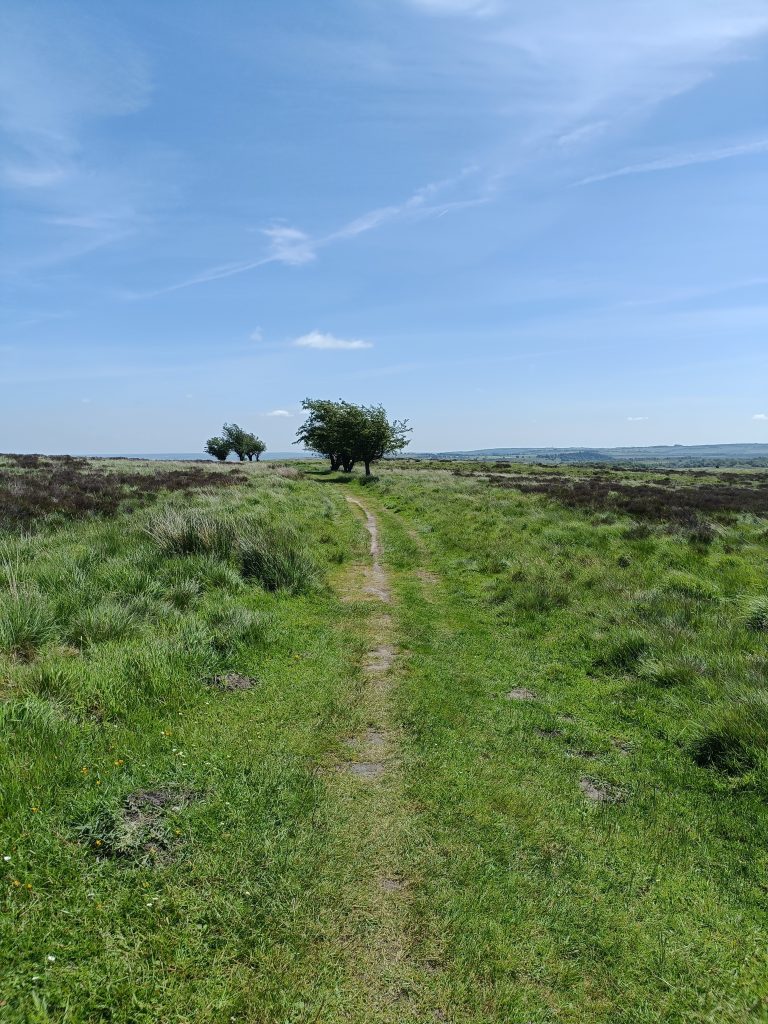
514, 223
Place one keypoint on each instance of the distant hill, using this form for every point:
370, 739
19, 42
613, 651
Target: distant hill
683, 454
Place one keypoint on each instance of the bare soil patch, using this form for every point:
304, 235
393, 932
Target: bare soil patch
521, 693
392, 884
599, 792
232, 682
380, 658
364, 769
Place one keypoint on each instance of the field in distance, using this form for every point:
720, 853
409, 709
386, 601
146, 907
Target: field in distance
485, 743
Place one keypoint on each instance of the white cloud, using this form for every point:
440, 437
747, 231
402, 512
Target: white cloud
289, 245
636, 419
279, 412
760, 416
683, 160
316, 339
257, 334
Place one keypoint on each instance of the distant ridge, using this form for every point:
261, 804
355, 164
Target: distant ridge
688, 453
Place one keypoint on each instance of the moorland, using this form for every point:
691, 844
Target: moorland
461, 741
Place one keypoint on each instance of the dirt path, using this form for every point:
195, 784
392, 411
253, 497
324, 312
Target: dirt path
369, 782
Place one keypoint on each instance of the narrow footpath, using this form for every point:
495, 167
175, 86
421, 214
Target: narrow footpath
368, 782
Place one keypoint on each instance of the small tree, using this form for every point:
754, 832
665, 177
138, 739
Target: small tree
347, 433
327, 431
254, 446
377, 437
237, 439
219, 447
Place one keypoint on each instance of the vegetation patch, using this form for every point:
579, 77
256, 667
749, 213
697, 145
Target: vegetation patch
33, 487
231, 682
675, 502
734, 739
139, 831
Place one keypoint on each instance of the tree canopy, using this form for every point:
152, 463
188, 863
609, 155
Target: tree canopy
347, 433
218, 447
235, 439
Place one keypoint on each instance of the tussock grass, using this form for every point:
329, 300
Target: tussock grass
273, 554
265, 550
192, 531
27, 623
735, 738
756, 614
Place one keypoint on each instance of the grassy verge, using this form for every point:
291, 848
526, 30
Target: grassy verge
592, 851
169, 851
571, 820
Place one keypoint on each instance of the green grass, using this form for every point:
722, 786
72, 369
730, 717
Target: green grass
650, 679
243, 892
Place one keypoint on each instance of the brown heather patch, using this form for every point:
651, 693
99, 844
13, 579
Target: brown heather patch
35, 486
713, 496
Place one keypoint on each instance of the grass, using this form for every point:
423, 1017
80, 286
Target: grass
180, 853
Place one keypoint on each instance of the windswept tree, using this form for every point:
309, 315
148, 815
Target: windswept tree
254, 447
219, 447
242, 442
377, 436
347, 433
327, 431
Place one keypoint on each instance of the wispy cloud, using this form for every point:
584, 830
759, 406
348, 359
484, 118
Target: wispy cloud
682, 160
279, 412
61, 73
472, 7
568, 66
290, 246
294, 247
316, 339
760, 416
636, 419
256, 334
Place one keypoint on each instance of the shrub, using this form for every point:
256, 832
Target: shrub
274, 555
26, 624
736, 738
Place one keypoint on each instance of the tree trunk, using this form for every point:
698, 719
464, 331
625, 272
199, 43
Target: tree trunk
334, 463
250, 458
258, 456
367, 469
